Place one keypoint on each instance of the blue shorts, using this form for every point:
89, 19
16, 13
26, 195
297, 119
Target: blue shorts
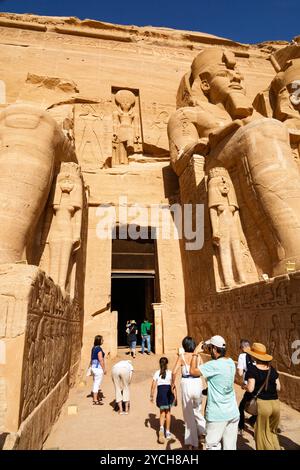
132, 344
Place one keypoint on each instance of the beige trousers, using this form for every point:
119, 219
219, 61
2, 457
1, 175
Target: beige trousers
121, 377
265, 431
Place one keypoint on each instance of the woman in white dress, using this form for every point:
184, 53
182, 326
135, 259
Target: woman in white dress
191, 394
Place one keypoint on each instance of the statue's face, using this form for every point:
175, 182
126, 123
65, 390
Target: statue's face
66, 184
293, 89
126, 105
221, 82
125, 99
224, 186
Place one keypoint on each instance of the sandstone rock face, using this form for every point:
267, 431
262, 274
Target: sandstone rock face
104, 128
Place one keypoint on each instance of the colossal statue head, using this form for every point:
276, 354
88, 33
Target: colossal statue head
289, 80
214, 77
218, 74
282, 99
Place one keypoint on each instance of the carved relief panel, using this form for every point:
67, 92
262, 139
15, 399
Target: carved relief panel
93, 131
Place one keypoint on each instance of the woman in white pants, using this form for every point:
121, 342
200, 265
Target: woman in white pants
98, 367
121, 375
191, 395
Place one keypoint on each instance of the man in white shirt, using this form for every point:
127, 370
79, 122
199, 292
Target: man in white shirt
244, 362
121, 375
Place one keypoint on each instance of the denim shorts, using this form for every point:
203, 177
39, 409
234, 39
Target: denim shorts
132, 344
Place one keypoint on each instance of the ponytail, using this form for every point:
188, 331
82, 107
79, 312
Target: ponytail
163, 363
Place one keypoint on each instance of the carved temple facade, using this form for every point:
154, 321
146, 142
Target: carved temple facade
105, 131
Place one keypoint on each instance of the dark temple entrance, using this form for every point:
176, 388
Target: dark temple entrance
132, 297
134, 283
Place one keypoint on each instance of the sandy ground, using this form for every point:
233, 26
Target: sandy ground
100, 427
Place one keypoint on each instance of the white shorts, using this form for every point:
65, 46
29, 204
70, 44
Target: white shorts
97, 378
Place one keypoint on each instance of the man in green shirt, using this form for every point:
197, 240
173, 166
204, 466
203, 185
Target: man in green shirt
145, 333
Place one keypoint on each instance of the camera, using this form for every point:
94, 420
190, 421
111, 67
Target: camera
206, 348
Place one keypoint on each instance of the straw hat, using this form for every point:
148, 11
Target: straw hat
259, 351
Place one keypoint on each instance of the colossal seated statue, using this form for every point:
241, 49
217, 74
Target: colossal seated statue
220, 123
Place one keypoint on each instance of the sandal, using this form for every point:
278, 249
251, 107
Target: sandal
97, 403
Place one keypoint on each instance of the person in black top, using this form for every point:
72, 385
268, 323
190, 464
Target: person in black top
244, 363
132, 332
265, 432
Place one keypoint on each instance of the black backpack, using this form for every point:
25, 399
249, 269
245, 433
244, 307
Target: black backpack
249, 361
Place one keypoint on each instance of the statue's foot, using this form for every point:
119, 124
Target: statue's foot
228, 286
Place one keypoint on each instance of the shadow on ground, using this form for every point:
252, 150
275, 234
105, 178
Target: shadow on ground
2, 439
287, 443
177, 429
242, 443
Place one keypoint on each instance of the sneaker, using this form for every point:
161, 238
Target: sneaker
161, 437
148, 353
168, 435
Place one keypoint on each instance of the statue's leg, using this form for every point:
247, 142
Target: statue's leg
123, 154
237, 255
226, 262
114, 157
54, 255
64, 261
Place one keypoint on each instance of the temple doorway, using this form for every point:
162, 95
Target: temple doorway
134, 282
132, 296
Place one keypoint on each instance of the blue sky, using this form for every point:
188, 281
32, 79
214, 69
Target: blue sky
248, 21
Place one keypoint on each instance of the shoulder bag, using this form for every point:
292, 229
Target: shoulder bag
251, 405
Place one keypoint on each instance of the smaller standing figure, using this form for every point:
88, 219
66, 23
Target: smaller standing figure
125, 128
65, 230
165, 398
132, 331
98, 368
227, 231
145, 333
191, 395
121, 374
263, 382
245, 362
